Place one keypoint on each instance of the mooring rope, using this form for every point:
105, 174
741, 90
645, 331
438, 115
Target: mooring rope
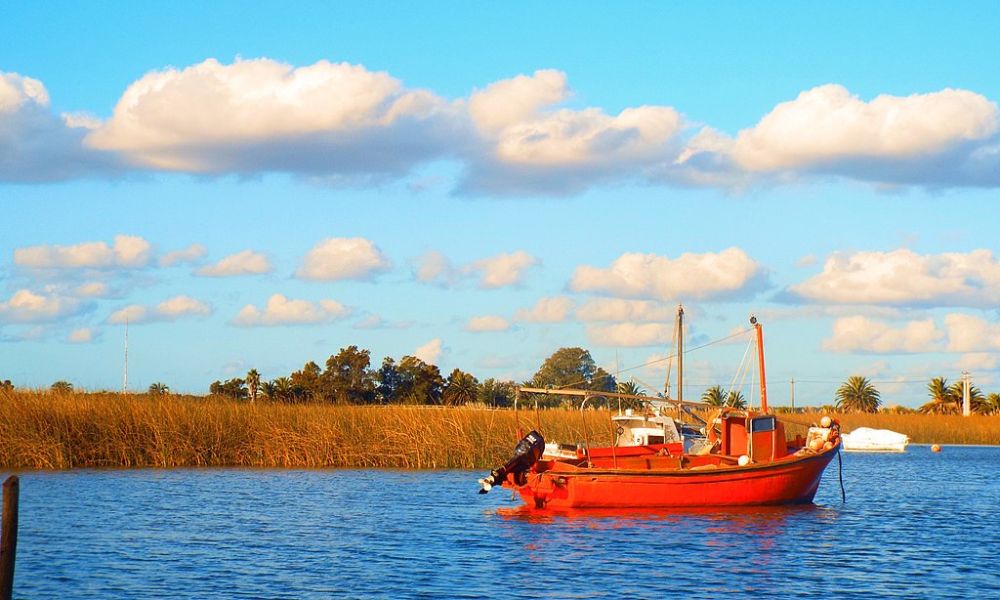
840, 472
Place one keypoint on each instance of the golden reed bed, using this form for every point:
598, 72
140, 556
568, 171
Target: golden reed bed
42, 430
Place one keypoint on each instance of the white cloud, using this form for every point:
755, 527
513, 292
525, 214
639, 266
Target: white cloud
39, 145
430, 352
168, 310
487, 323
127, 252
532, 145
94, 289
630, 334
191, 254
285, 311
863, 335
828, 123
433, 266
26, 306
945, 137
903, 277
967, 333
806, 261
81, 336
263, 115
553, 309
614, 309
978, 361
246, 262
335, 259
725, 274
503, 270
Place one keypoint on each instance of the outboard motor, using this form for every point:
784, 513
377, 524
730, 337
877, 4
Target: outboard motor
526, 453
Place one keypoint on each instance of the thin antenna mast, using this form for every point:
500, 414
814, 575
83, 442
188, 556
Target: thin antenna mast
125, 382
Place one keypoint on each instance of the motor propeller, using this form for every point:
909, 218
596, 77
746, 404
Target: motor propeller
526, 453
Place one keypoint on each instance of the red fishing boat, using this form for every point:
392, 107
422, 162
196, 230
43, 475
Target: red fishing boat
745, 459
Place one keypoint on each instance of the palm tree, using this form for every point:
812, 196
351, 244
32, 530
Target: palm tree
991, 406
857, 394
631, 388
942, 400
270, 389
714, 396
976, 399
62, 387
158, 389
735, 399
253, 384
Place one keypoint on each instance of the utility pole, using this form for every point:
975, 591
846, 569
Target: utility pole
793, 394
966, 400
125, 381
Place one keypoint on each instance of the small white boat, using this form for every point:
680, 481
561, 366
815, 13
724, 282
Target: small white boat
866, 439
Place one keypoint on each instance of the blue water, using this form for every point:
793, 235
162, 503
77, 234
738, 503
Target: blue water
918, 525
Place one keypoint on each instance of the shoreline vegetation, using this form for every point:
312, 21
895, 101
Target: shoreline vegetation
45, 430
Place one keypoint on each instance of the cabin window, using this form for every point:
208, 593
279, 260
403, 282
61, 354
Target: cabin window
762, 424
654, 439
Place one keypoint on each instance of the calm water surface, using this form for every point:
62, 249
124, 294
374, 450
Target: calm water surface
918, 525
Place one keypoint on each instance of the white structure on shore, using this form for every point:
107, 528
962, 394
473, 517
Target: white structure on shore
866, 439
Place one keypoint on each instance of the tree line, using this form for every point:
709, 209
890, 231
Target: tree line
348, 377
858, 394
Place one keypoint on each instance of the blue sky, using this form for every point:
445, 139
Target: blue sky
482, 185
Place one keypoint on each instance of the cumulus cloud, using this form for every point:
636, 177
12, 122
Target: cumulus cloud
285, 311
83, 335
432, 266
168, 310
39, 145
978, 361
727, 274
25, 306
335, 259
487, 323
191, 254
264, 115
430, 352
863, 335
246, 262
945, 137
903, 277
967, 333
614, 309
93, 289
630, 334
528, 144
502, 270
127, 252
553, 309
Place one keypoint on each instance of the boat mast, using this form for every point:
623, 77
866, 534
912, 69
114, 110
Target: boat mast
680, 352
760, 362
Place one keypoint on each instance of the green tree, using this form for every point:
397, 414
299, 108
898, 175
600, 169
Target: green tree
857, 394
388, 382
714, 396
460, 388
6, 386
497, 393
976, 399
309, 380
253, 384
631, 388
347, 378
158, 389
420, 383
573, 368
991, 405
942, 399
232, 388
62, 387
269, 389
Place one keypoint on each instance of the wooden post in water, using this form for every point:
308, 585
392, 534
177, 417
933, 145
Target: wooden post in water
8, 536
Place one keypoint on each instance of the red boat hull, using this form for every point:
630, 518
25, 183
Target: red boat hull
559, 485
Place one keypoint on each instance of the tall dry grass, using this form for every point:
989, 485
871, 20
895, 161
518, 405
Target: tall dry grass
42, 430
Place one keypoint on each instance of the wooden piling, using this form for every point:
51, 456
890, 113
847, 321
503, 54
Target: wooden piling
8, 536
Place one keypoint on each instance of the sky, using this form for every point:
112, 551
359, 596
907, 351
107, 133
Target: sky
480, 185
